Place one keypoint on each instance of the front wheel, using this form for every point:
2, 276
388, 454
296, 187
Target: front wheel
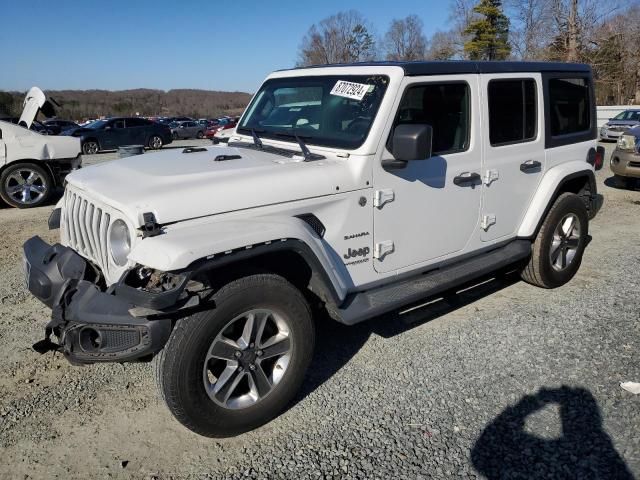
231, 369
199, 135
557, 250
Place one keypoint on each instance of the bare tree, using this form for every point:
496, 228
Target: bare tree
531, 27
405, 39
442, 46
341, 38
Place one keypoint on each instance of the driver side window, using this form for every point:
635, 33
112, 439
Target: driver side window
444, 106
117, 124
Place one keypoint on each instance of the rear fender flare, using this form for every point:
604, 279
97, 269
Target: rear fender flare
548, 189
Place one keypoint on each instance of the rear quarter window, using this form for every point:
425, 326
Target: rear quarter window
569, 99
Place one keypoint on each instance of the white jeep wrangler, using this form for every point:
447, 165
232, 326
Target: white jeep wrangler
359, 189
32, 164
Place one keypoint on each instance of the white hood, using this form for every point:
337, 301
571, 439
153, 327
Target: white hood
178, 186
34, 102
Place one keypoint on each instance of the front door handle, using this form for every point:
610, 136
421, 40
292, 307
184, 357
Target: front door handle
530, 165
466, 178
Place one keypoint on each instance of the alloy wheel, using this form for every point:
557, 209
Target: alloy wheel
25, 186
566, 239
247, 359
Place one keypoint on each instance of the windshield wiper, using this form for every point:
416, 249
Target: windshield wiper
308, 155
256, 139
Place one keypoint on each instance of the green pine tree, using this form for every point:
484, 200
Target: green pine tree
489, 32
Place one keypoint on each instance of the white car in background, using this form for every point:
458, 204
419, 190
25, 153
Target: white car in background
616, 126
32, 164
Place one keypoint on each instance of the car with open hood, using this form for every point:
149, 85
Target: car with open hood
33, 164
346, 192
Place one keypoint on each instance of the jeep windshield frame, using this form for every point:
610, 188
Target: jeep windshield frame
315, 109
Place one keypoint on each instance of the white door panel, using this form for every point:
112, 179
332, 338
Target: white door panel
512, 169
425, 216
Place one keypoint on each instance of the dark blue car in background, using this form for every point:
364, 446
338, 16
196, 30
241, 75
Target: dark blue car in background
111, 133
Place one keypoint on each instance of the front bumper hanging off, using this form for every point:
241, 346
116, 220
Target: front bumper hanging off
91, 325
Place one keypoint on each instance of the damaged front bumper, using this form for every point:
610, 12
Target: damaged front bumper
92, 325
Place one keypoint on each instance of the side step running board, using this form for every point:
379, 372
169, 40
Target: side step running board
364, 305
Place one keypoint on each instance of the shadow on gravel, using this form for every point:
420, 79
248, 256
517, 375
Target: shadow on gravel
632, 183
336, 344
583, 450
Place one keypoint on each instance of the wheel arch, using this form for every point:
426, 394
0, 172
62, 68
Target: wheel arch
287, 246
572, 177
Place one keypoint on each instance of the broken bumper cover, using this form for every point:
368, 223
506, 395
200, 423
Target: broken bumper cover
91, 325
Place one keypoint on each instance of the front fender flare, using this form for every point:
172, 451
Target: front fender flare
548, 189
188, 247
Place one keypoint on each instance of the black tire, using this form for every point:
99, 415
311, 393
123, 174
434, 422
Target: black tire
17, 174
90, 147
540, 270
180, 365
155, 142
174, 135
199, 135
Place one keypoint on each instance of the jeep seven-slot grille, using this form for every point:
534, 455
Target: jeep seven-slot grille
86, 226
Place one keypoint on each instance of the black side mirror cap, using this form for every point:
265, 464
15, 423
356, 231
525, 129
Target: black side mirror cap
412, 142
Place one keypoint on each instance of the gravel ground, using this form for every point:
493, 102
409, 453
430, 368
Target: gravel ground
510, 381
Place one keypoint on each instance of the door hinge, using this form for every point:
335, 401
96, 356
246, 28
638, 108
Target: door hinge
487, 221
382, 249
490, 176
383, 196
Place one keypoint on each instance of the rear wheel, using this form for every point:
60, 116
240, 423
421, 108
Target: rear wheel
90, 147
155, 142
557, 250
231, 369
25, 185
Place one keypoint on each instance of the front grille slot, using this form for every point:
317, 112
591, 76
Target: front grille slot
86, 227
634, 164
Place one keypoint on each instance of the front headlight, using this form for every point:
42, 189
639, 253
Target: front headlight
119, 242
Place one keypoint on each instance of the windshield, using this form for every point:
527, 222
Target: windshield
332, 111
628, 115
96, 124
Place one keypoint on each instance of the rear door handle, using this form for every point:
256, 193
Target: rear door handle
466, 178
530, 165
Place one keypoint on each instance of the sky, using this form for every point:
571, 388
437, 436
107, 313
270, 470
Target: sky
225, 45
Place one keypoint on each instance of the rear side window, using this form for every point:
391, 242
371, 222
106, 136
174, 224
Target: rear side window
444, 106
512, 111
569, 106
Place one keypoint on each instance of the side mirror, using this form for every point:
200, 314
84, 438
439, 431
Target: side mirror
412, 142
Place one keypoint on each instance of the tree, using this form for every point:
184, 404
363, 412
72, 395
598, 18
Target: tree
531, 27
489, 32
405, 39
442, 46
340, 38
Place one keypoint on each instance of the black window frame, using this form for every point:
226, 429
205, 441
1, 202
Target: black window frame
591, 133
535, 102
467, 142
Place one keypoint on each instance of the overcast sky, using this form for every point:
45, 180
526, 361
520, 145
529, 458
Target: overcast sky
214, 45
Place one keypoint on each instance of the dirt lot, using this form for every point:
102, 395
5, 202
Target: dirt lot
510, 381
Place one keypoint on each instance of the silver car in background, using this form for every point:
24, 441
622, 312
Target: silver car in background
619, 124
188, 129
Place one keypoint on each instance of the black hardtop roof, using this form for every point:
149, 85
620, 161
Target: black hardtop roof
465, 66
